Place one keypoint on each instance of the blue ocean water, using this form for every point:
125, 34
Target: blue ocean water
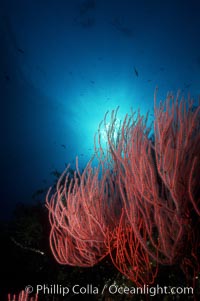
64, 64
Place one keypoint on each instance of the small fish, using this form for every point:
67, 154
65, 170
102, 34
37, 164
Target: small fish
86, 6
20, 50
7, 77
56, 173
63, 145
187, 85
37, 193
136, 72
126, 31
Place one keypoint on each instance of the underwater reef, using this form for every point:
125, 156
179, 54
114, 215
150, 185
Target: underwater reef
139, 206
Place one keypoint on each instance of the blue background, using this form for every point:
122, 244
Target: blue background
63, 64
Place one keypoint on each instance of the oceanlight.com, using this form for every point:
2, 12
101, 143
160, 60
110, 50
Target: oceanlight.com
113, 289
